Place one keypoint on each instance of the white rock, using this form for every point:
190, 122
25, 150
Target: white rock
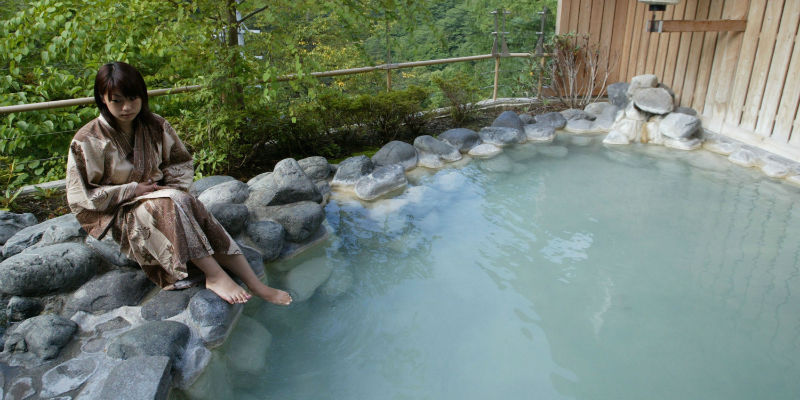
616, 137
67, 376
580, 126
428, 160
642, 81
597, 108
685, 144
633, 113
679, 126
381, 181
305, 278
724, 148
793, 179
485, 150
743, 157
775, 169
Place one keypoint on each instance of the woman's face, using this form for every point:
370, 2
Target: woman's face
123, 108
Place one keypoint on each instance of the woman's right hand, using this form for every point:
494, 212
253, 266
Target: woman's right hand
145, 188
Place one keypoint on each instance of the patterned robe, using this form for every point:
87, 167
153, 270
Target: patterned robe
161, 230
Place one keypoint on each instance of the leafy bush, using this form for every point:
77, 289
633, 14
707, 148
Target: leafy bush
460, 93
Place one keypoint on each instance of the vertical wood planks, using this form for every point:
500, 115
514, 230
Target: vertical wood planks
746, 59
706, 59
663, 44
672, 50
653, 41
563, 10
617, 40
605, 39
728, 46
790, 100
766, 45
630, 8
636, 34
693, 63
683, 50
573, 16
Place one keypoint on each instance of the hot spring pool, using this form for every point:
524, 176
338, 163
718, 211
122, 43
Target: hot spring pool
569, 271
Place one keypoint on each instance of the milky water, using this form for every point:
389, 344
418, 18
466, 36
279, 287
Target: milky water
569, 271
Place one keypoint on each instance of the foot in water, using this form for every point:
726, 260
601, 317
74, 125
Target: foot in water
272, 295
227, 289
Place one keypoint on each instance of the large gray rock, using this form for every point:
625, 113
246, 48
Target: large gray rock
574, 113
56, 230
110, 251
597, 108
396, 152
112, 290
485, 150
20, 389
540, 132
618, 94
434, 153
508, 119
51, 269
552, 119
232, 217
580, 126
501, 136
461, 138
167, 303
200, 185
642, 82
268, 236
212, 315
351, 170
382, 181
11, 223
154, 338
679, 125
67, 376
316, 168
300, 220
42, 336
527, 119
139, 378
287, 183
22, 308
226, 192
653, 100
324, 189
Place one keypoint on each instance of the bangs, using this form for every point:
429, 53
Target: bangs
118, 81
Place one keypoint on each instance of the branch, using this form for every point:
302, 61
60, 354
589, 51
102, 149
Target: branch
251, 14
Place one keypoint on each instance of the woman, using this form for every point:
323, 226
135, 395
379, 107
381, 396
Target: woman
128, 172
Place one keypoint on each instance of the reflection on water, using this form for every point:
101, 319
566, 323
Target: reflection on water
554, 272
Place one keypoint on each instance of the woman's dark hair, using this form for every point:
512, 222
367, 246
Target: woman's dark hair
122, 77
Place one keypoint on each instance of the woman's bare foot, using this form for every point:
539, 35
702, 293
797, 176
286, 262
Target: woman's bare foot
226, 288
272, 295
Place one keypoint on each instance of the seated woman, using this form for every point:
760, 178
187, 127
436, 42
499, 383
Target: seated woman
128, 172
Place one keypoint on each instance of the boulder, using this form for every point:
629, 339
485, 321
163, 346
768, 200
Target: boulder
526, 119
225, 193
381, 181
63, 228
540, 132
287, 184
42, 336
324, 189
212, 315
597, 108
110, 251
22, 308
508, 119
351, 170
642, 82
51, 269
200, 185
396, 152
303, 280
501, 136
232, 217
167, 303
11, 223
634, 114
686, 110
574, 113
434, 153
299, 220
653, 100
268, 236
485, 150
618, 94
461, 138
316, 168
139, 377
153, 338
720, 147
67, 376
258, 180
679, 126
580, 126
112, 290
247, 347
553, 119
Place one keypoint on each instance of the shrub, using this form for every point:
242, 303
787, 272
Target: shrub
460, 93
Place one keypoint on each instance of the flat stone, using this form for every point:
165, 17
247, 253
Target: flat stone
642, 82
232, 217
654, 100
200, 185
42, 336
299, 220
63, 228
110, 251
20, 389
227, 192
51, 269
461, 138
167, 303
574, 113
485, 150
112, 290
618, 94
508, 119
22, 308
153, 338
212, 315
139, 378
351, 170
303, 280
774, 169
540, 133
67, 376
686, 110
502, 136
248, 346
396, 152
683, 144
679, 126
552, 119
316, 168
381, 181
113, 324
743, 157
268, 236
11, 223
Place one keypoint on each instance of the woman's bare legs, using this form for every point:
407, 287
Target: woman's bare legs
238, 264
219, 282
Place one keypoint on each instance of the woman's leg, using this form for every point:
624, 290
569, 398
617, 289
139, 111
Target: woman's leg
219, 282
238, 265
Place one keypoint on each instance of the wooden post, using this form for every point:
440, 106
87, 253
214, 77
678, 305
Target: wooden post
388, 59
496, 76
541, 71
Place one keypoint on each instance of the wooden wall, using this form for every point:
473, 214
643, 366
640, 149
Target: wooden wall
744, 84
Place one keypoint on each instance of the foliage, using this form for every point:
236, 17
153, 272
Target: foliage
461, 94
574, 70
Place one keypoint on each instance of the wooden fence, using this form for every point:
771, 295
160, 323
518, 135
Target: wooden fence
744, 84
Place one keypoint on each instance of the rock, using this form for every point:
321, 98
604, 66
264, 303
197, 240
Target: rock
683, 144
685, 110
485, 150
616, 137
396, 152
43, 336
381, 181
597, 109
793, 179
501, 136
526, 119
139, 377
62, 228
226, 192
508, 119
580, 126
20, 389
668, 89
247, 347
553, 151
434, 153
11, 223
634, 114
167, 303
461, 138
232, 217
299, 220
540, 132
316, 168
324, 189
574, 113
287, 184
351, 170
212, 315
258, 180
553, 119
653, 100
774, 169
652, 129
305, 278
724, 148
153, 338
642, 82
254, 258
618, 94
22, 308
51, 269
679, 126
743, 157
112, 290
268, 236
199, 186
113, 324
67, 376
110, 251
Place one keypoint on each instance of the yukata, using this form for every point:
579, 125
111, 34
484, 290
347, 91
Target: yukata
160, 230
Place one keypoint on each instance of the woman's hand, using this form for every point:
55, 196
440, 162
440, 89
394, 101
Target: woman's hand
145, 188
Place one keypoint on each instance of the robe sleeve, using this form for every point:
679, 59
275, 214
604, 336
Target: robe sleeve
85, 167
176, 165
